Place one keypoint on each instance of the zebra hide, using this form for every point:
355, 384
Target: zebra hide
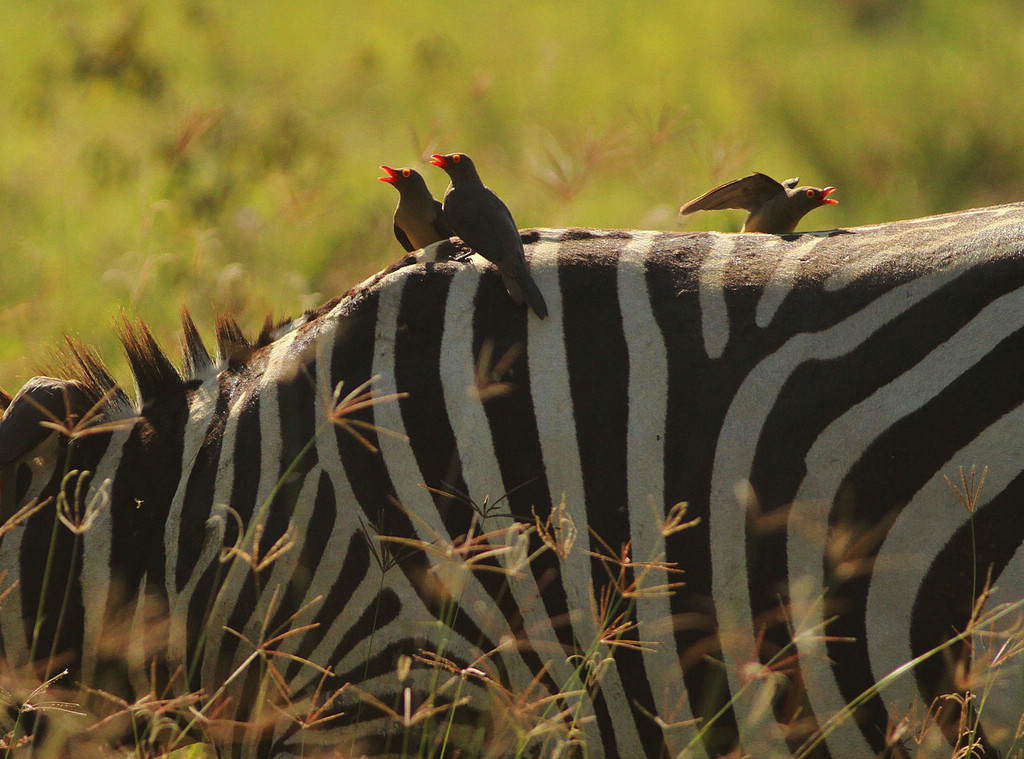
736, 493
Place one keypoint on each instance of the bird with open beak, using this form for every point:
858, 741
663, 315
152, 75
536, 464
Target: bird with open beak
419, 220
775, 207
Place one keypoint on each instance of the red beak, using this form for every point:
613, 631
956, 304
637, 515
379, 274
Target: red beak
392, 175
824, 196
438, 160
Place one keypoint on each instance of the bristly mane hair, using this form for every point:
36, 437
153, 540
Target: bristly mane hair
78, 362
231, 343
197, 358
156, 376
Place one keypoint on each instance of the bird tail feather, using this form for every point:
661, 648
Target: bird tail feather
523, 289
511, 281
535, 299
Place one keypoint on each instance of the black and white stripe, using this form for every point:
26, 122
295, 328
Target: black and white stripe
798, 392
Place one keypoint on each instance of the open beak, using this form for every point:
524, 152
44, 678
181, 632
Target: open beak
392, 174
438, 160
824, 196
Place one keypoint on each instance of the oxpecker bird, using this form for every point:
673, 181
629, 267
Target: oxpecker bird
486, 225
419, 220
775, 207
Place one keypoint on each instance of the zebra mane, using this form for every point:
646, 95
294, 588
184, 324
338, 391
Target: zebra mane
80, 363
156, 376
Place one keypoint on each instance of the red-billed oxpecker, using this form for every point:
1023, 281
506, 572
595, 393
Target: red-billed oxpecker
486, 225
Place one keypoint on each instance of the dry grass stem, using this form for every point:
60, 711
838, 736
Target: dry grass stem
968, 492
339, 411
559, 530
488, 382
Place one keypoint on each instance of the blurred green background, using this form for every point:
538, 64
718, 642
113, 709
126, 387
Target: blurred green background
224, 155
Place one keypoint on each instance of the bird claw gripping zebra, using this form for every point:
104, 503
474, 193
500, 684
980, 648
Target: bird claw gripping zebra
732, 494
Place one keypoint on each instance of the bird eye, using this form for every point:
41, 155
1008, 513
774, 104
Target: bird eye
406, 172
456, 157
810, 193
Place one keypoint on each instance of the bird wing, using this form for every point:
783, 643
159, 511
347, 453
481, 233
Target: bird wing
441, 225
484, 223
403, 239
791, 183
749, 193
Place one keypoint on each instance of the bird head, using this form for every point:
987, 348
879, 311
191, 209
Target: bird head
397, 176
805, 199
817, 196
457, 165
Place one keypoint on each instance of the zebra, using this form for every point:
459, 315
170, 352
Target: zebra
738, 493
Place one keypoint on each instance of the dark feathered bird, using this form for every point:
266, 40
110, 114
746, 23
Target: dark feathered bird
419, 220
775, 207
486, 225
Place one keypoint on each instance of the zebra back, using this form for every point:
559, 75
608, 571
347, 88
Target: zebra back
706, 504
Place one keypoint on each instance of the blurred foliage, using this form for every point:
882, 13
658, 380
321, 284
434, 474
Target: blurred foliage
224, 155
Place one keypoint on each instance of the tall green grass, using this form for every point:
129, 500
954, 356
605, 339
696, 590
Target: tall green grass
224, 154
